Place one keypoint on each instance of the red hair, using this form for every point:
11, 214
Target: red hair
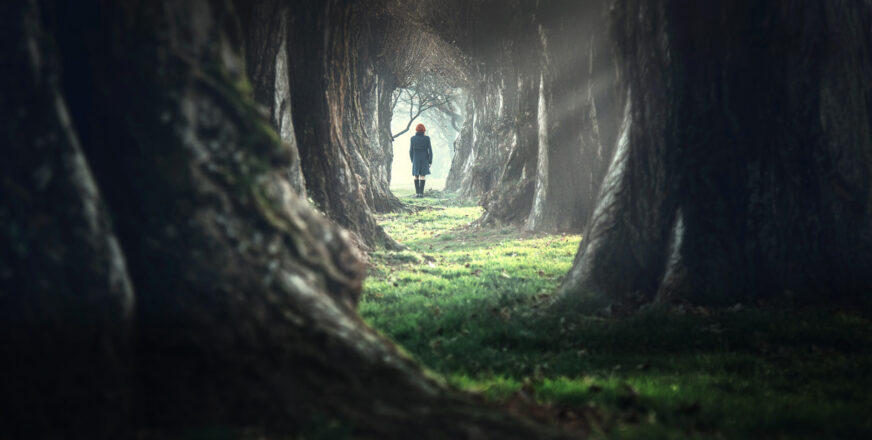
420, 128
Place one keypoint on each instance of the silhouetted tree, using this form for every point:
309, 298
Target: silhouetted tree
427, 92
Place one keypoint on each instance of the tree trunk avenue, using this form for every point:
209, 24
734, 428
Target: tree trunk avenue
162, 271
215, 296
543, 120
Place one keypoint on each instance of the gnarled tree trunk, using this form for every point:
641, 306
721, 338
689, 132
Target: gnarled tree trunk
462, 151
324, 45
744, 166
511, 199
362, 118
580, 122
264, 26
494, 105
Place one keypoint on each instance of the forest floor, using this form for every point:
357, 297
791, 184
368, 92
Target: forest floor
472, 305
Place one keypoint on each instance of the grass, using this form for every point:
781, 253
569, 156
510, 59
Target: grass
472, 305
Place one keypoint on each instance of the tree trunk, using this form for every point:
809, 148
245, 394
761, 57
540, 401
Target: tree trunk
264, 25
66, 299
493, 111
327, 118
579, 96
384, 115
245, 296
462, 150
568, 115
743, 172
362, 116
511, 199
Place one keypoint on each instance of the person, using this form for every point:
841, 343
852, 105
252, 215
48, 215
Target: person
421, 153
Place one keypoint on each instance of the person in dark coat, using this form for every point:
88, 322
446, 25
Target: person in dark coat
421, 153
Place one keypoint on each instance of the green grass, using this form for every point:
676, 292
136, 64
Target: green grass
473, 305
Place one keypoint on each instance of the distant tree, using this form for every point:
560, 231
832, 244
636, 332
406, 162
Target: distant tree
428, 93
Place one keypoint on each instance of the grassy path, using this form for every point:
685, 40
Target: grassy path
470, 305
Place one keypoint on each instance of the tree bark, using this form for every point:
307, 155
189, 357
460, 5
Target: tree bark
245, 296
462, 151
493, 112
66, 299
567, 126
362, 111
321, 41
264, 25
512, 198
384, 114
744, 167
580, 122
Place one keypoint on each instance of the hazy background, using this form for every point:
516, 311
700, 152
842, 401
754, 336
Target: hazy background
442, 137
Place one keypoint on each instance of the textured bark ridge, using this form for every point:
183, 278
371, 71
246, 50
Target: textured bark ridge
245, 296
741, 174
335, 92
264, 26
492, 118
482, 33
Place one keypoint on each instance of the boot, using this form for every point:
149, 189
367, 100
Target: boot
417, 189
422, 187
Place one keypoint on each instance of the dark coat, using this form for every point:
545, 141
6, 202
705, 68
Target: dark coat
421, 154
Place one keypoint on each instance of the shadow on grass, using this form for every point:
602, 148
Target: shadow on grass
479, 312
